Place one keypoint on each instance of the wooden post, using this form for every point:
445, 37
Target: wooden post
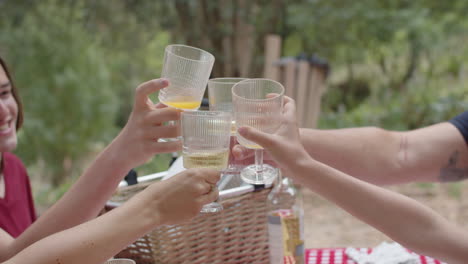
244, 47
302, 86
272, 55
316, 89
290, 78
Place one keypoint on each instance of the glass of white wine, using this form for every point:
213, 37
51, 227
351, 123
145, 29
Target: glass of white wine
187, 69
257, 103
220, 99
206, 143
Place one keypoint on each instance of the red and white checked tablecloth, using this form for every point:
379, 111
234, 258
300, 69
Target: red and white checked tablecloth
338, 256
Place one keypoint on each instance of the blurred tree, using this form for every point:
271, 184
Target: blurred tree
65, 86
84, 46
134, 44
93, 53
391, 34
233, 30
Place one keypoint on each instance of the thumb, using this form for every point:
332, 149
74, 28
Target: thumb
263, 139
147, 88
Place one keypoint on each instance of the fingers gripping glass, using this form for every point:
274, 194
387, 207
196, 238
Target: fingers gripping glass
257, 103
206, 143
187, 69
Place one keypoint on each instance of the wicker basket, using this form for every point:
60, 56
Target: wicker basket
239, 234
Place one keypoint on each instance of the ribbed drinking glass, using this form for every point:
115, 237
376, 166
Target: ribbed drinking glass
220, 99
187, 69
206, 143
257, 103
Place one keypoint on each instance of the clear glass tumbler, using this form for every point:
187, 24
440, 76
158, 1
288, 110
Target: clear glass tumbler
257, 103
206, 143
187, 69
220, 98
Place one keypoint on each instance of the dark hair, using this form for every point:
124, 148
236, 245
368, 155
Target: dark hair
14, 91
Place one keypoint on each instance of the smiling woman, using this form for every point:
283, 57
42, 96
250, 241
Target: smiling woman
64, 234
16, 206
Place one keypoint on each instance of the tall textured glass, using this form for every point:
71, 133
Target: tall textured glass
187, 69
206, 143
257, 103
220, 98
220, 93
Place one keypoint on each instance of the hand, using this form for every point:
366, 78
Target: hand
246, 156
181, 197
138, 140
284, 146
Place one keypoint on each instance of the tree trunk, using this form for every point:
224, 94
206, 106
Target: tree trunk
413, 61
235, 38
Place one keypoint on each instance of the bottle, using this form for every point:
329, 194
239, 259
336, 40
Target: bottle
285, 223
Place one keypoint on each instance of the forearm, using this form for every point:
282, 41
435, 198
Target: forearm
93, 241
401, 218
368, 153
430, 154
81, 203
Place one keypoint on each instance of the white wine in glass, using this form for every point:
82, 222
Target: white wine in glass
217, 160
206, 137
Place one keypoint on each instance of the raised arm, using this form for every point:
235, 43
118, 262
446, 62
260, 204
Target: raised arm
136, 144
406, 221
434, 153
169, 202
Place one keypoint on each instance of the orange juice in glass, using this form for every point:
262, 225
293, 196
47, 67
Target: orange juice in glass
187, 69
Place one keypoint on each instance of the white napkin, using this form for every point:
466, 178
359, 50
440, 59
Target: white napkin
385, 253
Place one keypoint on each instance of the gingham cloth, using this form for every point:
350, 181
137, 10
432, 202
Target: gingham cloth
289, 260
338, 256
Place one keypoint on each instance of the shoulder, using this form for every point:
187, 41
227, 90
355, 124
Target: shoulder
461, 123
12, 163
12, 158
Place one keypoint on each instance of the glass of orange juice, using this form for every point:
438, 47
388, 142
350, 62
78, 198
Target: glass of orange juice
187, 69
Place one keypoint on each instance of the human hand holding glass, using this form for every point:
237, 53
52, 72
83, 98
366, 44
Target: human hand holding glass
206, 143
257, 103
187, 69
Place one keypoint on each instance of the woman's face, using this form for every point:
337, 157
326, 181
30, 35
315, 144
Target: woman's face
8, 114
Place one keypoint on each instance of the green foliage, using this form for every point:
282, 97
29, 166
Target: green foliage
426, 185
158, 163
76, 74
455, 190
134, 44
228, 29
436, 92
397, 64
65, 84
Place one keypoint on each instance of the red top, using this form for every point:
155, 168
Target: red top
16, 207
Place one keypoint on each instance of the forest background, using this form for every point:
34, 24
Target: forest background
396, 64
